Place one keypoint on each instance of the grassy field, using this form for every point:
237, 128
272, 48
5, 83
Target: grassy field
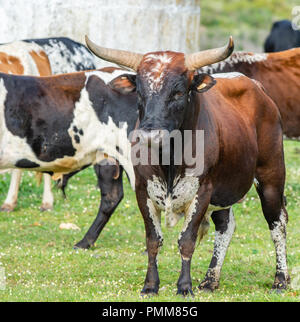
40, 264
249, 21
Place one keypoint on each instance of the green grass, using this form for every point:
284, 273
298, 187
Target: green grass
249, 21
41, 265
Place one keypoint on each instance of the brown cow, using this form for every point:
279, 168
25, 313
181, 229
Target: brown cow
23, 58
279, 73
242, 141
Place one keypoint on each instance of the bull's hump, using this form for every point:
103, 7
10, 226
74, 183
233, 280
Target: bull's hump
231, 62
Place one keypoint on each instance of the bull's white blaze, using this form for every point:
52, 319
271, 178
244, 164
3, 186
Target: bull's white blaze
237, 57
278, 234
97, 137
21, 50
157, 73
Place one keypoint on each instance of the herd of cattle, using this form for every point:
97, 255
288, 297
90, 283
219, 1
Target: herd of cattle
245, 102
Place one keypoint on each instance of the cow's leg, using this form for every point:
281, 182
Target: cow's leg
270, 180
154, 239
225, 225
47, 203
111, 195
272, 200
12, 196
194, 216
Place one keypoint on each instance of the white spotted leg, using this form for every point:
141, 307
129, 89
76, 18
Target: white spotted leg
270, 181
272, 201
224, 229
47, 203
12, 195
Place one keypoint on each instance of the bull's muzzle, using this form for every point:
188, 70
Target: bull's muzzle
151, 138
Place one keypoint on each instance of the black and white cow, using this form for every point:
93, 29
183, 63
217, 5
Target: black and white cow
56, 55
60, 124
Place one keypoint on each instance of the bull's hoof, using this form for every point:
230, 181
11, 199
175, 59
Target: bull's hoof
46, 207
281, 283
279, 287
185, 289
7, 208
208, 285
185, 292
149, 291
83, 244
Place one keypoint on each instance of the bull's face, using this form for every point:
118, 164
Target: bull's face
164, 83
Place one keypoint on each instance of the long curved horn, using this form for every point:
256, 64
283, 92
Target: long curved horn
120, 57
210, 56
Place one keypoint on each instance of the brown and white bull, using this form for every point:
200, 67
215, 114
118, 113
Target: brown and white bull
242, 142
22, 58
279, 73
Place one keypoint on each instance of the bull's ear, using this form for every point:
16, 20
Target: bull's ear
124, 83
202, 82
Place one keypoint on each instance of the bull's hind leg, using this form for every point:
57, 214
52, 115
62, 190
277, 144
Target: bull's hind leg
12, 195
270, 187
225, 225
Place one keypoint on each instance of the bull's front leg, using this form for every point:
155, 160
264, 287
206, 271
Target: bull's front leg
154, 240
194, 216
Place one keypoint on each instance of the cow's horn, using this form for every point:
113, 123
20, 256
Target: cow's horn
120, 57
210, 56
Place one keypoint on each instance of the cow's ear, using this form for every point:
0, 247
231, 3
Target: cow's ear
124, 83
202, 82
